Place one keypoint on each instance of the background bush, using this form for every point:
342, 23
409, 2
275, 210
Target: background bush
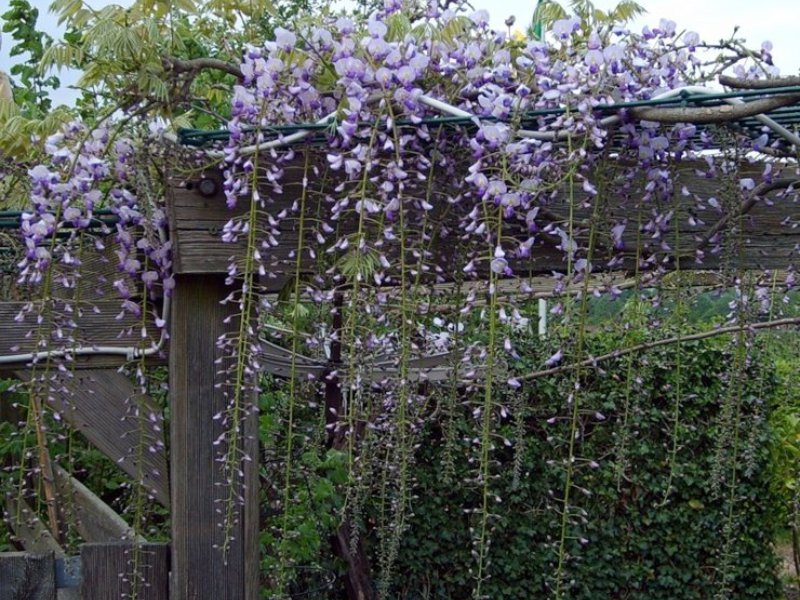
634, 539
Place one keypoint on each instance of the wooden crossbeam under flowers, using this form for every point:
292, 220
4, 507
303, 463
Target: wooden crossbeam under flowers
281, 362
712, 211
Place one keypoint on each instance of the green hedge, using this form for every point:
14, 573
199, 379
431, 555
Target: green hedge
632, 544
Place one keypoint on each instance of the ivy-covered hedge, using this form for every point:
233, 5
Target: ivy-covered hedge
656, 529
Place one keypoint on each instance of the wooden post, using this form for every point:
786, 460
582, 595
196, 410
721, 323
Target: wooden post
116, 570
200, 570
25, 576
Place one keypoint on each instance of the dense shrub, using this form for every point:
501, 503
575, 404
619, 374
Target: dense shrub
709, 536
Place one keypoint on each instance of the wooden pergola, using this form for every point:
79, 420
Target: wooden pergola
190, 482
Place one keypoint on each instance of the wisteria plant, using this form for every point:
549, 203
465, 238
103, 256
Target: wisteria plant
408, 184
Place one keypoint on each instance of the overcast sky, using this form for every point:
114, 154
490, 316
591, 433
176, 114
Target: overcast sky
773, 20
759, 20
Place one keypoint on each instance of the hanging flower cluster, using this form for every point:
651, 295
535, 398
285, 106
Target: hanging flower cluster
84, 203
443, 151
482, 148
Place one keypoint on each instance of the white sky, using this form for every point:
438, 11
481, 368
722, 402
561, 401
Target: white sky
774, 20
758, 20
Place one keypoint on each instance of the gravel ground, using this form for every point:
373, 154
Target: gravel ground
787, 570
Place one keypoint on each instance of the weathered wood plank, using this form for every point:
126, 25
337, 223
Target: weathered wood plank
34, 536
123, 570
197, 223
769, 236
99, 267
95, 520
100, 403
28, 528
199, 488
26, 576
90, 325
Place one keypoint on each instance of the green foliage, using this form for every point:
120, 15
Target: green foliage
32, 92
548, 11
127, 54
626, 541
646, 528
319, 478
30, 116
785, 428
785, 424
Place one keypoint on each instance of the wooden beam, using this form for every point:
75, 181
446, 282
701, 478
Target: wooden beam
198, 213
99, 403
197, 393
26, 576
124, 570
91, 325
767, 235
95, 520
28, 528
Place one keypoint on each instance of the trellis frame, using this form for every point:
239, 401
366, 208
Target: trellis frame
197, 215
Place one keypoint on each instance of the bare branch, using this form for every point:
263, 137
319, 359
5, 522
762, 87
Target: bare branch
195, 65
705, 115
593, 362
760, 84
747, 204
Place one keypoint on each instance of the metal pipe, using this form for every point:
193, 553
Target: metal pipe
282, 141
130, 352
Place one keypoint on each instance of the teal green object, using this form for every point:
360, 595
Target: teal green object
537, 25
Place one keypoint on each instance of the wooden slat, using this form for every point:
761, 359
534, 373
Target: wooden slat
97, 271
26, 576
109, 571
90, 325
98, 402
199, 489
29, 529
95, 520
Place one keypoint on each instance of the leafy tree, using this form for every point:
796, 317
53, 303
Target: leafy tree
29, 114
32, 92
549, 11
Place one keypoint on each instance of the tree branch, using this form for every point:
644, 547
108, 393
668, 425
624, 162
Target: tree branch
758, 191
592, 362
758, 84
706, 115
195, 65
